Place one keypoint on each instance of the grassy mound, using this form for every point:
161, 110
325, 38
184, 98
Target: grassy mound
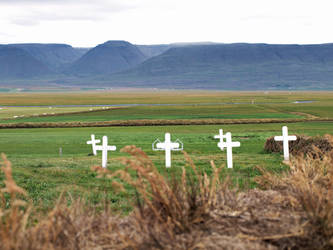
190, 211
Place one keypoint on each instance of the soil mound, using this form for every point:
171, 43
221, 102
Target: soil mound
304, 145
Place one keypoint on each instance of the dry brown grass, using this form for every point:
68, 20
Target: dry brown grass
309, 186
144, 122
191, 211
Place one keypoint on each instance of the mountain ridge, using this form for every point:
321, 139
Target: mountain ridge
228, 66
239, 66
54, 55
106, 58
16, 63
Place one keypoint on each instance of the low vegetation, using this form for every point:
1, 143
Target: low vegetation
162, 107
144, 122
304, 145
50, 200
190, 210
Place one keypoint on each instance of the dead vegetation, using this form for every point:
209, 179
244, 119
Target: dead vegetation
146, 122
304, 145
190, 211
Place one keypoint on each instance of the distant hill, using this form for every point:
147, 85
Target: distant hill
237, 66
234, 66
55, 56
16, 63
81, 51
153, 50
158, 49
109, 57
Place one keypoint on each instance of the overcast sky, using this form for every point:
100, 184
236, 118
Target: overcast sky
86, 23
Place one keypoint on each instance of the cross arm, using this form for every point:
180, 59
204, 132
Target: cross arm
112, 148
278, 138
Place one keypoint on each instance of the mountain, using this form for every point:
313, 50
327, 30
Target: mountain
16, 63
233, 66
106, 58
55, 56
81, 51
153, 50
237, 66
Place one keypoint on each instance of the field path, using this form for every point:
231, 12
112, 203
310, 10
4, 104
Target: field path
304, 114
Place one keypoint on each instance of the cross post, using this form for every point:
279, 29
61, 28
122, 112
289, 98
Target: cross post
221, 137
285, 138
105, 148
229, 144
93, 143
167, 146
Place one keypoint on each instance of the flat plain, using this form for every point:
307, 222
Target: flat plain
44, 173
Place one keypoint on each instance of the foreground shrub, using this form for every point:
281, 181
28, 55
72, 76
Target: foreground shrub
189, 211
309, 186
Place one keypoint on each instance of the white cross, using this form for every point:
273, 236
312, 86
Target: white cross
229, 144
285, 138
167, 145
93, 143
105, 148
221, 137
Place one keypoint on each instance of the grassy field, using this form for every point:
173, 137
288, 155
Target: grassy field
186, 105
20, 112
180, 97
168, 113
38, 167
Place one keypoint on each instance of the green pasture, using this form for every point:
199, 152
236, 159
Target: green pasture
187, 105
21, 112
237, 111
38, 167
147, 97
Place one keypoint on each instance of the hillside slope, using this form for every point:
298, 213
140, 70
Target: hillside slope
153, 50
53, 55
16, 63
234, 66
109, 57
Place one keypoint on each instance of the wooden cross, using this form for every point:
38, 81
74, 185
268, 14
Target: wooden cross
93, 143
167, 145
221, 137
229, 144
105, 148
285, 138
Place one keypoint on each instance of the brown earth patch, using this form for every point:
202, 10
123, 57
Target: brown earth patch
314, 146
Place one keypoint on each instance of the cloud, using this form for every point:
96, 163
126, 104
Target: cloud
111, 6
16, 2
25, 22
35, 17
5, 34
33, 12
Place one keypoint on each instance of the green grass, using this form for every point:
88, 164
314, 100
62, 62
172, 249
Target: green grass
271, 105
167, 112
10, 112
143, 96
319, 109
38, 167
